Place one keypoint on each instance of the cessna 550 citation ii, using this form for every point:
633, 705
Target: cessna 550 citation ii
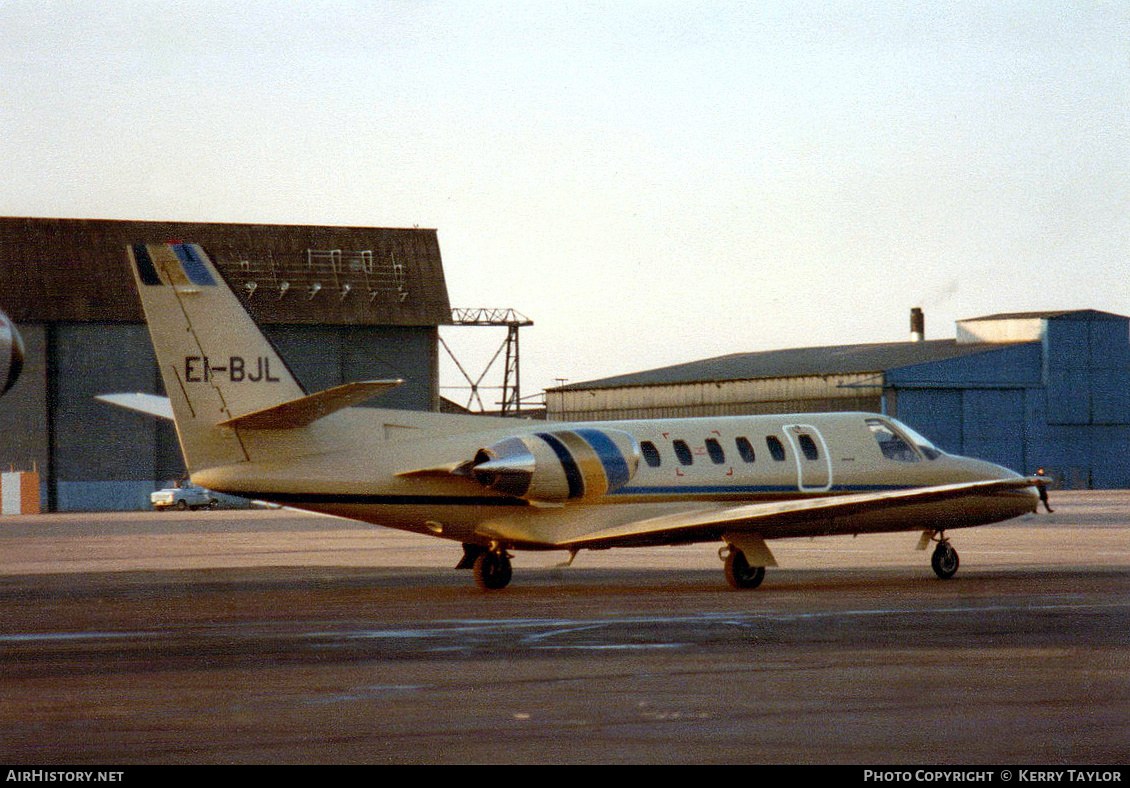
247, 428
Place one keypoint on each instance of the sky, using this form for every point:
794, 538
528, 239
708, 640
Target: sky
650, 182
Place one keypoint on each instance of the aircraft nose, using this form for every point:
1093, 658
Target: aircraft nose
1025, 499
990, 470
11, 354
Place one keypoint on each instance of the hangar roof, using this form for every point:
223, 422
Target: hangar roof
797, 362
1066, 314
74, 270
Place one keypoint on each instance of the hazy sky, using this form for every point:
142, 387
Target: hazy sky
650, 182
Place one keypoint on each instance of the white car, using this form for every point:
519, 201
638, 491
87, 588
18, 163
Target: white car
188, 497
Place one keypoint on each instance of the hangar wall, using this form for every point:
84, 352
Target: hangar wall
94, 456
340, 304
1060, 400
24, 421
978, 405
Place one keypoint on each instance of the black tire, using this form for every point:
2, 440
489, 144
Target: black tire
739, 574
945, 561
492, 571
182, 504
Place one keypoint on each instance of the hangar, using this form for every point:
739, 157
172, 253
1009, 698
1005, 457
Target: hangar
1025, 390
340, 304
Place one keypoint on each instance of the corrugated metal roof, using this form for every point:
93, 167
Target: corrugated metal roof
795, 362
1075, 314
63, 270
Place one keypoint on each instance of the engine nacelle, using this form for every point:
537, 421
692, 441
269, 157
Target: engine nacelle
11, 353
559, 465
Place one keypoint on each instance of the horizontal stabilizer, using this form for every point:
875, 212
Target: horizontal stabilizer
143, 403
306, 410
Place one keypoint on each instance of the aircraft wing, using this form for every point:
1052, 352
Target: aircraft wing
767, 517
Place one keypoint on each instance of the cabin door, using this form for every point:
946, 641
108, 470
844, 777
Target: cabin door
813, 459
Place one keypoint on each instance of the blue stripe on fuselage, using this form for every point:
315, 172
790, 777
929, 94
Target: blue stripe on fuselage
572, 472
615, 467
732, 489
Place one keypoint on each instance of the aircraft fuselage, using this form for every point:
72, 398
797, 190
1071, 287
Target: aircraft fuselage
682, 463
248, 428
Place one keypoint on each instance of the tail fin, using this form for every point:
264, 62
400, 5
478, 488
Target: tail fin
216, 363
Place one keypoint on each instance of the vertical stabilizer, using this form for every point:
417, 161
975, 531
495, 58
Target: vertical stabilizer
214, 360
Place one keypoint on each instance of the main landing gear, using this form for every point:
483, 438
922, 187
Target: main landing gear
492, 571
489, 566
739, 574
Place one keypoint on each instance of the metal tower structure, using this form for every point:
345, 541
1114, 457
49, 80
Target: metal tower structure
512, 320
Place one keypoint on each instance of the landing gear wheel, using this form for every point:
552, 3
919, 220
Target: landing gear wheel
739, 573
944, 561
492, 571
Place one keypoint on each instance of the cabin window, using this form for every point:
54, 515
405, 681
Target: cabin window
650, 454
683, 452
807, 447
893, 446
745, 449
714, 449
776, 448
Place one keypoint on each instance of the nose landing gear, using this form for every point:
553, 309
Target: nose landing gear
944, 560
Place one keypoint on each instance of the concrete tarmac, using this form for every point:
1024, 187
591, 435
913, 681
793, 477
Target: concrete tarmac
269, 636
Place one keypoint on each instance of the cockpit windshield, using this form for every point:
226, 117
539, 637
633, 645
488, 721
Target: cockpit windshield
900, 443
923, 443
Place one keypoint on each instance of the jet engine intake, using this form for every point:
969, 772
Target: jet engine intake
558, 466
11, 354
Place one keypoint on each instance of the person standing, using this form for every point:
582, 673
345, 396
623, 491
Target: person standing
1042, 487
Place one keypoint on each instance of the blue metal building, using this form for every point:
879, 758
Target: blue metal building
1024, 390
1050, 389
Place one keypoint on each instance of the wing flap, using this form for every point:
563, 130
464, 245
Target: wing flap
750, 517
